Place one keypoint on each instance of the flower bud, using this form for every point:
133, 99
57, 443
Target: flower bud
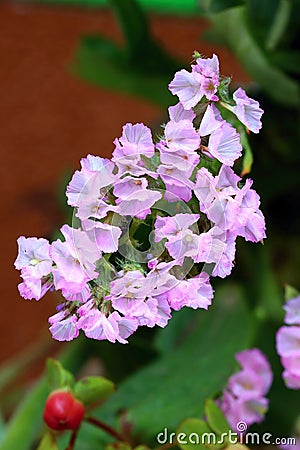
63, 411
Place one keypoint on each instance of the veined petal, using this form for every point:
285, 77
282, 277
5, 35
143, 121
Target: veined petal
224, 144
177, 113
187, 86
247, 110
211, 120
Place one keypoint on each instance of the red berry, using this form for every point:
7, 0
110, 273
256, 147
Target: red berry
63, 411
76, 416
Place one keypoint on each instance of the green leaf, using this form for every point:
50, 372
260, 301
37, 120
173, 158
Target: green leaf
2, 426
27, 419
223, 90
143, 68
93, 390
279, 25
174, 334
101, 62
134, 25
263, 286
143, 53
274, 82
177, 384
290, 292
287, 60
57, 376
194, 434
261, 15
215, 417
216, 6
48, 442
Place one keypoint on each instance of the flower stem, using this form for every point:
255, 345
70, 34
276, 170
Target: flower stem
107, 428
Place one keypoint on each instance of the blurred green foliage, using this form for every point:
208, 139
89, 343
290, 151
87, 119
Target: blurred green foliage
140, 68
182, 7
264, 37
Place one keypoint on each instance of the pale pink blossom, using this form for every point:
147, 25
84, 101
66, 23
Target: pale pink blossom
244, 397
292, 310
247, 110
65, 330
92, 182
138, 203
33, 288
187, 86
181, 136
177, 113
34, 256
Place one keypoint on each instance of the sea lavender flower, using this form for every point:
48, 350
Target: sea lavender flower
135, 143
247, 110
229, 207
34, 255
224, 141
75, 257
32, 287
181, 136
177, 113
89, 185
292, 311
64, 329
190, 87
288, 344
177, 192
244, 397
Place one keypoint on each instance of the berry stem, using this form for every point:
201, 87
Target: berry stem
72, 440
107, 428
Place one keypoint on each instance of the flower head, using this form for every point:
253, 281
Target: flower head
153, 224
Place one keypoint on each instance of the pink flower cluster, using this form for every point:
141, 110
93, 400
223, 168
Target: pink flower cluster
109, 285
288, 343
244, 397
